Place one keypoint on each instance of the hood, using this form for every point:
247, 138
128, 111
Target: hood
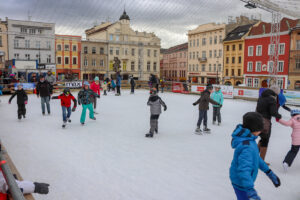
153, 98
218, 92
268, 93
241, 134
297, 118
205, 91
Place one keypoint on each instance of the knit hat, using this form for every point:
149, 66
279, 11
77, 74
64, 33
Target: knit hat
295, 112
86, 83
96, 78
253, 121
275, 89
209, 86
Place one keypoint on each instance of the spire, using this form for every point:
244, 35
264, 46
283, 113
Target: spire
124, 15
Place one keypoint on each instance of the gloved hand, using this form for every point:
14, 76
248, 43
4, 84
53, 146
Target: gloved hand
274, 178
79, 103
252, 194
9, 102
165, 108
279, 116
41, 188
73, 109
98, 97
277, 119
25, 102
194, 104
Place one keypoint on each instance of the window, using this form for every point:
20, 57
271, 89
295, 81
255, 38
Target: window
210, 53
101, 63
250, 66
227, 47
117, 51
154, 66
49, 59
216, 40
85, 62
132, 52
232, 72
220, 67
280, 66
193, 42
16, 43
155, 53
40, 31
215, 53
197, 54
94, 62
281, 48
117, 37
280, 83
111, 37
0, 41
227, 60
148, 66
23, 30
239, 72
193, 55
233, 47
16, 55
58, 47
210, 40
258, 50
256, 83
270, 66
148, 52
66, 60
27, 44
249, 82
240, 47
190, 43
93, 50
197, 42
226, 72
189, 67
215, 67
220, 39
48, 45
58, 60
27, 56
74, 61
203, 67
111, 51
271, 49
85, 50
31, 31
74, 48
297, 63
190, 55
258, 67
298, 45
197, 67
240, 59
250, 51
67, 47
233, 60
203, 41
132, 66
209, 68
203, 54
220, 53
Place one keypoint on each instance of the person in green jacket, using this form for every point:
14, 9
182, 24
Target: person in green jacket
85, 97
218, 97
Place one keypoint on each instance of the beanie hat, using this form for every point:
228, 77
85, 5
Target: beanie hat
253, 121
275, 89
86, 83
209, 86
295, 112
96, 78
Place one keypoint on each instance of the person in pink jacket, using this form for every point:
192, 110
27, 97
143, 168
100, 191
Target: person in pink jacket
95, 86
294, 122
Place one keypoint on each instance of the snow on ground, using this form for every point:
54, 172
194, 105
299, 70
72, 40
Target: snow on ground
110, 159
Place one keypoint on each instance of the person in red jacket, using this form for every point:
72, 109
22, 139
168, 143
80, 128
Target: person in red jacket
65, 99
95, 86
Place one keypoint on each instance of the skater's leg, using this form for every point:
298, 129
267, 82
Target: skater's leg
205, 118
153, 119
43, 101
95, 103
240, 195
219, 114
64, 113
19, 111
265, 137
214, 113
23, 110
69, 111
91, 110
27, 187
200, 118
289, 158
47, 99
157, 123
83, 113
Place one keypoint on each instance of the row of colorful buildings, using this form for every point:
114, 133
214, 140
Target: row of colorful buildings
28, 47
236, 53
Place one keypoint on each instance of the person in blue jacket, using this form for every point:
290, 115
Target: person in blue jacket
246, 160
217, 96
118, 83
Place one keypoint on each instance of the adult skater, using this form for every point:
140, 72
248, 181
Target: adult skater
51, 79
65, 100
132, 85
113, 85
22, 99
217, 96
246, 160
267, 107
118, 84
85, 97
43, 90
162, 85
203, 102
155, 103
104, 87
95, 86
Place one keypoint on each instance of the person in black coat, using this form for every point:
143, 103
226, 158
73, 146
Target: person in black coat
267, 107
43, 90
132, 84
22, 99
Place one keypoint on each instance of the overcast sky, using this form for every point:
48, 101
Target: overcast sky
168, 19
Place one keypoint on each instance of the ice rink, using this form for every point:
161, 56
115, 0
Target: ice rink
110, 158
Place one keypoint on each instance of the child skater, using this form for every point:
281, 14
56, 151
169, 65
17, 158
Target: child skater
21, 101
65, 100
246, 160
294, 122
104, 87
155, 104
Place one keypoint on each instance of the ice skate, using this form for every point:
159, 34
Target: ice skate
64, 124
93, 118
149, 135
156, 131
198, 131
43, 113
214, 122
68, 120
285, 167
82, 123
206, 130
24, 116
219, 123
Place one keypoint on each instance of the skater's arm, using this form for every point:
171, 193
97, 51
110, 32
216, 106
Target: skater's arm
213, 101
286, 108
79, 98
222, 99
197, 102
286, 123
25, 96
38, 89
263, 165
74, 101
245, 165
273, 109
163, 103
12, 96
55, 97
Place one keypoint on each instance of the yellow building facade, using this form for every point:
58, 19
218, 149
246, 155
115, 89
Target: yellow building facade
3, 44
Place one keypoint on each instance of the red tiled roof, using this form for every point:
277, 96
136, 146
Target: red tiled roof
98, 30
176, 48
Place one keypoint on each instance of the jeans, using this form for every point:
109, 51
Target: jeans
132, 89
66, 113
217, 114
241, 195
118, 89
162, 89
95, 102
45, 100
202, 116
83, 113
21, 110
105, 92
289, 158
153, 123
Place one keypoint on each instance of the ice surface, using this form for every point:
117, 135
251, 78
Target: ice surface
110, 159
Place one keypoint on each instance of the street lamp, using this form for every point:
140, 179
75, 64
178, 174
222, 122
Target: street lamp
217, 78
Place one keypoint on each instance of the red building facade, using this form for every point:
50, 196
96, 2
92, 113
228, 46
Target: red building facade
257, 67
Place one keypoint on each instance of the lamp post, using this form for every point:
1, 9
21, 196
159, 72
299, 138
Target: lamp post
217, 78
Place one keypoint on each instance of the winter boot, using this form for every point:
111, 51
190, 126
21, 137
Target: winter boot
206, 130
285, 166
149, 135
41, 188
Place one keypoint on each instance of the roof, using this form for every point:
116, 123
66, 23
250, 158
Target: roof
264, 28
95, 30
124, 16
238, 32
180, 47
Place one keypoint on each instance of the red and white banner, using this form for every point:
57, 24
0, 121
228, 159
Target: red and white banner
246, 93
180, 88
226, 90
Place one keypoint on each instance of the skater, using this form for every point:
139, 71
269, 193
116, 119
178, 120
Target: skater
132, 84
51, 79
22, 99
113, 85
43, 89
104, 87
294, 123
203, 102
162, 85
65, 99
119, 79
95, 86
246, 160
266, 106
217, 96
155, 103
85, 97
